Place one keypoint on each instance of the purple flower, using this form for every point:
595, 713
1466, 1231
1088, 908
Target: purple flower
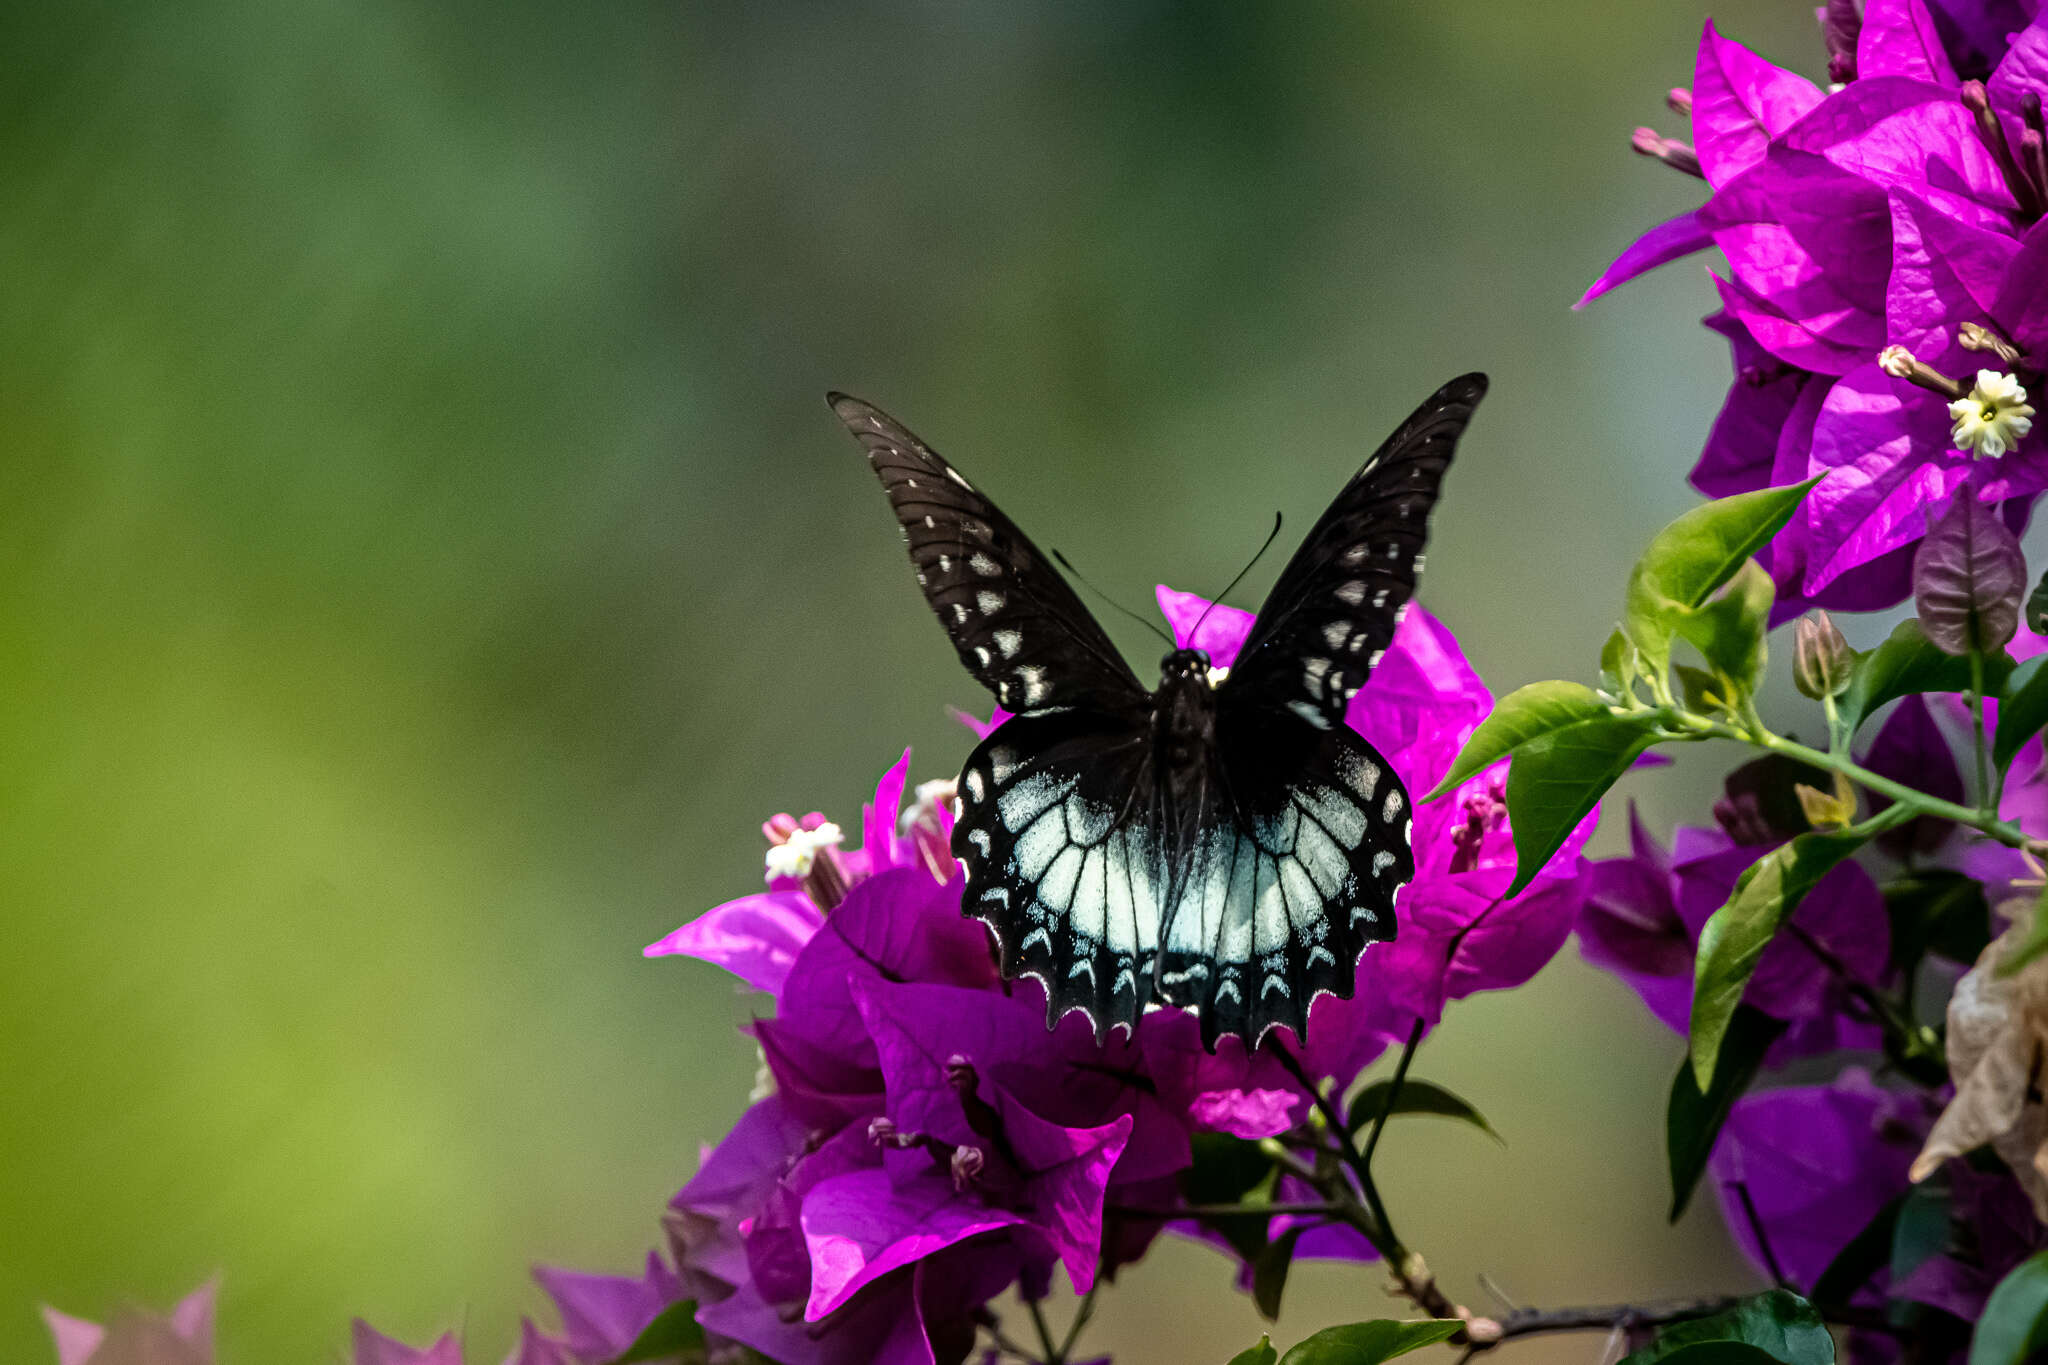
1816, 1163
184, 1336
1641, 919
1457, 935
1887, 294
603, 1314
374, 1348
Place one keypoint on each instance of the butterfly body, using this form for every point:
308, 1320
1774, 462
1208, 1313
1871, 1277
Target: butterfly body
1223, 843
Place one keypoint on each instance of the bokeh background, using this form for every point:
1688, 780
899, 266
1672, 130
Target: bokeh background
425, 558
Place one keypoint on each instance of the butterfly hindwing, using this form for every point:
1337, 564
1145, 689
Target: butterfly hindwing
1018, 627
1333, 610
1065, 857
1300, 842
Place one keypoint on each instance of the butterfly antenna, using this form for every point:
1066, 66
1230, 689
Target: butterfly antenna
1141, 620
1270, 537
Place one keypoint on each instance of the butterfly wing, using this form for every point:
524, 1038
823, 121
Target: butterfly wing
1299, 843
1018, 627
1067, 857
1333, 611
1300, 830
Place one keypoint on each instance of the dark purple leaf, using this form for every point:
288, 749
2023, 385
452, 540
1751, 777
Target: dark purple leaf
1968, 578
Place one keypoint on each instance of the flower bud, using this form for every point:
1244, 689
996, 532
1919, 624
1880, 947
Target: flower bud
1820, 657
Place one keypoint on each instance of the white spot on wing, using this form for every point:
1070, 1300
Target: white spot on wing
989, 602
983, 565
1008, 641
1352, 593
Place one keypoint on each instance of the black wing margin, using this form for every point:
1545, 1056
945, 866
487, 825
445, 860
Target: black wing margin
1333, 611
1018, 627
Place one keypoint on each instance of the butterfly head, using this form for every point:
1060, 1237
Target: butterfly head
1185, 664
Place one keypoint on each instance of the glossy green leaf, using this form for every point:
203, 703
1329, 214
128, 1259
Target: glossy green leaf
1696, 554
1269, 1272
1618, 663
1416, 1097
1521, 717
1369, 1343
1700, 690
673, 1336
2037, 607
1261, 1354
1778, 1324
1692, 1120
1557, 778
1920, 1233
1230, 1170
2022, 710
2015, 1321
1736, 935
1728, 628
1908, 662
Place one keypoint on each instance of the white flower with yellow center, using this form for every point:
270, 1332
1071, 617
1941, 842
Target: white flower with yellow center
1992, 417
794, 857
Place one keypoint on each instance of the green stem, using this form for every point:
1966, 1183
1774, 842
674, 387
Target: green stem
1052, 1355
1379, 1122
1917, 802
1986, 799
1081, 1316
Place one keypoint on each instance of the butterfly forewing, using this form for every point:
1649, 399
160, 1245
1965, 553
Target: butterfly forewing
1018, 627
1333, 611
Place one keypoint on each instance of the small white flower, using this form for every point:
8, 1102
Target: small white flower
794, 858
938, 794
1991, 418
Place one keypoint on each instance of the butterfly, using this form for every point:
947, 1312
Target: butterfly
1221, 843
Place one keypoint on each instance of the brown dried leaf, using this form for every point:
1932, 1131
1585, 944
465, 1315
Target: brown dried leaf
1997, 1055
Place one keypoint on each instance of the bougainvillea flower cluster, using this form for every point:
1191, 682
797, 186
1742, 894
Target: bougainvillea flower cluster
926, 1144
1886, 293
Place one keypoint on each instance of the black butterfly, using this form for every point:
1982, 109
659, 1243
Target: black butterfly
1224, 843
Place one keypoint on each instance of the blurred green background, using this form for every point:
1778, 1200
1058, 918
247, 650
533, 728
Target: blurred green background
425, 558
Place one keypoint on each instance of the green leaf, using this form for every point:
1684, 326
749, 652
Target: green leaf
673, 1336
2015, 1321
1692, 1121
2022, 710
1369, 1343
1229, 1170
1736, 935
1618, 663
1416, 1097
1778, 1324
1696, 554
1521, 717
1558, 777
1269, 1273
1700, 690
1728, 628
1261, 1354
1868, 1252
1908, 662
1920, 1232
1934, 910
